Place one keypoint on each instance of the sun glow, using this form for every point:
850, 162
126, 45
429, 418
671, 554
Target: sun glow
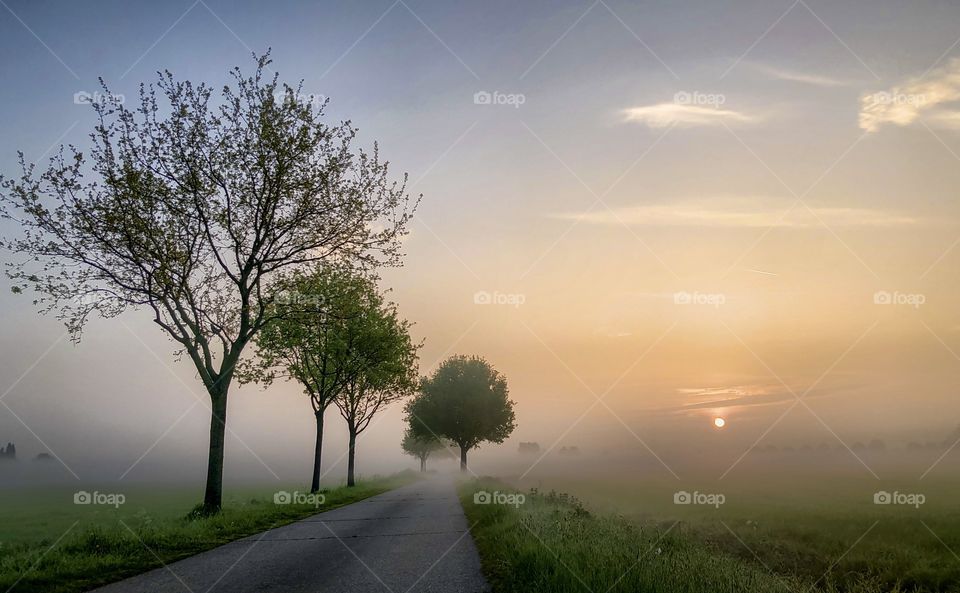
719, 422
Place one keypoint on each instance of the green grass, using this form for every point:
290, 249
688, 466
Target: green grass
552, 543
49, 544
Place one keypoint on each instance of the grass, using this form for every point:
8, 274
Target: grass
51, 545
553, 543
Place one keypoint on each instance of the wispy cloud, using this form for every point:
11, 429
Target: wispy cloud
739, 397
729, 397
801, 77
744, 213
723, 393
663, 115
903, 104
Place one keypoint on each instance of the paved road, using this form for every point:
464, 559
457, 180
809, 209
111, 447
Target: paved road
410, 540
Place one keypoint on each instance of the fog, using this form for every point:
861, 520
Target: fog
117, 407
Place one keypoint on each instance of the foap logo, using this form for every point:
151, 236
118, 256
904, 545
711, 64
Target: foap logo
914, 499
710, 299
292, 297
699, 99
513, 299
514, 499
497, 98
85, 98
699, 498
314, 99
883, 297
283, 497
887, 98
113, 499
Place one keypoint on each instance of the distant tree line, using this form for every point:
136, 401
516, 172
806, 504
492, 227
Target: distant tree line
9, 453
528, 447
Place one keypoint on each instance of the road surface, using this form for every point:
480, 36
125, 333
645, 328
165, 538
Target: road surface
410, 540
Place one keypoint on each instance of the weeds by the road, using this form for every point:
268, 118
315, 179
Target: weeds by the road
114, 546
551, 544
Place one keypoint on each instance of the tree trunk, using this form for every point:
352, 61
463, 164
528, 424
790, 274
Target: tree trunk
423, 464
351, 458
463, 458
317, 449
213, 495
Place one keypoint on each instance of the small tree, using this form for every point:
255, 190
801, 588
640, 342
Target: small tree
195, 211
465, 400
381, 360
420, 448
308, 340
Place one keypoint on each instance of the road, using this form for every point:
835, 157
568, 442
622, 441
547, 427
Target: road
414, 539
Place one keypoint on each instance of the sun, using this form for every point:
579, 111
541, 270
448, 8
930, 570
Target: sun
719, 422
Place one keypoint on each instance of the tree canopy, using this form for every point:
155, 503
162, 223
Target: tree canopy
315, 312
465, 400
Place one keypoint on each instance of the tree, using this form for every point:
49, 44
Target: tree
420, 448
381, 363
307, 341
196, 211
465, 400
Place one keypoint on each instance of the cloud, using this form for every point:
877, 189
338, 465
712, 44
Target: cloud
740, 397
903, 104
762, 399
801, 77
741, 213
663, 115
727, 398
724, 393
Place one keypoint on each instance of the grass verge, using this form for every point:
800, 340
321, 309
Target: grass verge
107, 549
801, 523
551, 544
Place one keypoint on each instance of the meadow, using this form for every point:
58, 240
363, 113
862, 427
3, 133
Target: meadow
49, 543
767, 533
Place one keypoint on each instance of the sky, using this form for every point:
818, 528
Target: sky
646, 215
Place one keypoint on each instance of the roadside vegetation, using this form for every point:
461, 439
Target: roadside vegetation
40, 550
553, 543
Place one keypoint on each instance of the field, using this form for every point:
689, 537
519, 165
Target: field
784, 534
48, 543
